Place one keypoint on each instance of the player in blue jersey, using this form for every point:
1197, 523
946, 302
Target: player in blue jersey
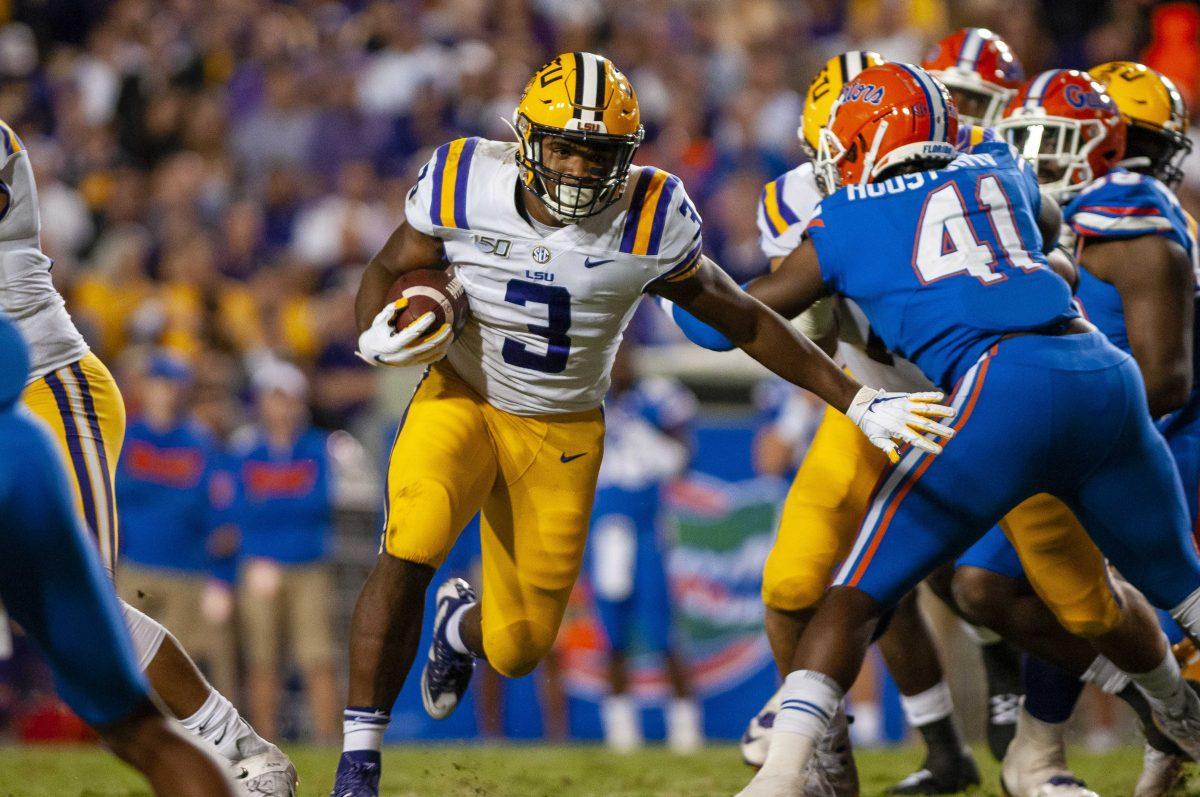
1138, 284
53, 585
954, 278
647, 442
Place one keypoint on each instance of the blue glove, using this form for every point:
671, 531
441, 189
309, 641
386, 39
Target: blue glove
693, 328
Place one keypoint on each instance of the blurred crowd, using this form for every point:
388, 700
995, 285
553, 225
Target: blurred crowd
214, 175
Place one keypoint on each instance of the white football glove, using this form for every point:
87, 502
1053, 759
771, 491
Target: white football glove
886, 418
382, 344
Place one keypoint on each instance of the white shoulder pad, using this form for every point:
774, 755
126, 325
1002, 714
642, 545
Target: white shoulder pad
661, 222
787, 204
441, 198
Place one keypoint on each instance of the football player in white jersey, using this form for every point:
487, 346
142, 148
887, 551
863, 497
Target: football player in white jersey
73, 392
555, 239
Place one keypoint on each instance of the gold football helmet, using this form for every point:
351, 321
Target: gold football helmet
581, 97
825, 88
1155, 115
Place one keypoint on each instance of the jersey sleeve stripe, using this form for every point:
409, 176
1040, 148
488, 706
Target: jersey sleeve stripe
660, 213
12, 144
435, 201
1099, 224
632, 216
645, 223
447, 184
688, 265
1120, 210
461, 178
779, 214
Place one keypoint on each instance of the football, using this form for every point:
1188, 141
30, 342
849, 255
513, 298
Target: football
430, 290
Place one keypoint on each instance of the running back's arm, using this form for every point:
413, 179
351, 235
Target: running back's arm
406, 250
748, 320
1154, 277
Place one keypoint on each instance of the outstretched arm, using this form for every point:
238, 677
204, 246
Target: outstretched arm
757, 329
752, 326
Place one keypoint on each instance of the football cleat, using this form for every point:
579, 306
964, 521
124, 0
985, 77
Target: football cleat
1003, 709
944, 779
1036, 762
757, 738
447, 672
1183, 727
831, 770
1160, 773
356, 777
1002, 666
266, 774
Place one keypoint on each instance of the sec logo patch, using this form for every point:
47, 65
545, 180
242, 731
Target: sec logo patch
541, 255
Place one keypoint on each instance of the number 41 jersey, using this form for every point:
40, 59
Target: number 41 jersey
547, 310
946, 262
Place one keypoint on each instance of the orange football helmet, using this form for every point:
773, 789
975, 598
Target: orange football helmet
889, 115
1065, 124
979, 69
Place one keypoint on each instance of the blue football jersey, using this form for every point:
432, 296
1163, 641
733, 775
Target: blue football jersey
1123, 204
945, 262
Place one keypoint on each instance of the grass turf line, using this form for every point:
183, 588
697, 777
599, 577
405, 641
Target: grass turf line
523, 771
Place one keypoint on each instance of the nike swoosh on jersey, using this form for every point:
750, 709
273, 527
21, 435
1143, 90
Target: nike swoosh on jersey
564, 458
589, 263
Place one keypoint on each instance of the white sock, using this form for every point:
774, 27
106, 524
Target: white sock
363, 729
685, 732
929, 706
1164, 686
1187, 614
807, 703
218, 723
622, 723
981, 634
1105, 675
454, 630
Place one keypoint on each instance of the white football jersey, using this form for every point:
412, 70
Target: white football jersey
27, 294
547, 311
788, 203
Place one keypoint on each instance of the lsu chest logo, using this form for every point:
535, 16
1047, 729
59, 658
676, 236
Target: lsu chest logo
863, 92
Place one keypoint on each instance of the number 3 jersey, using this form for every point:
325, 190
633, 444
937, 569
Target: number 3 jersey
547, 310
944, 263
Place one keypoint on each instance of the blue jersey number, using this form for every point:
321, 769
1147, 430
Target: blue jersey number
558, 321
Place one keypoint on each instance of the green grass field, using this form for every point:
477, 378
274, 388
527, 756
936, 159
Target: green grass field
508, 771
